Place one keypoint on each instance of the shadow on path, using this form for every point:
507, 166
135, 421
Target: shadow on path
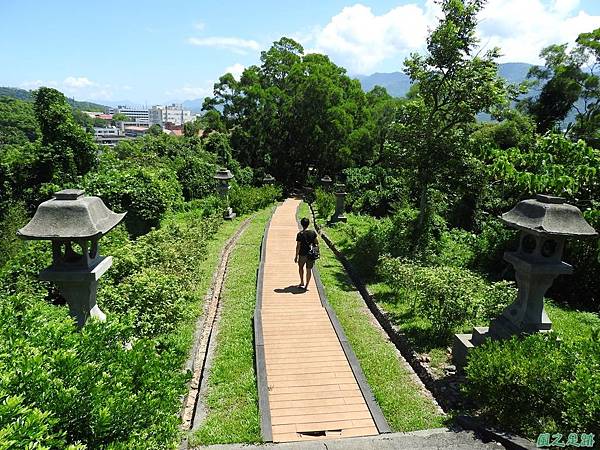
291, 290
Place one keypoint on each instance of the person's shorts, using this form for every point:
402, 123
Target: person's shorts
303, 259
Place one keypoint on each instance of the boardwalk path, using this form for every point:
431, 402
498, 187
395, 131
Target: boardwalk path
310, 383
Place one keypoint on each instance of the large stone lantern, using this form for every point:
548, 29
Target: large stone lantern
326, 182
223, 176
544, 223
268, 180
74, 223
340, 204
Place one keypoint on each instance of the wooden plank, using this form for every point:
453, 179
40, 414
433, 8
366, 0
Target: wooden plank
311, 385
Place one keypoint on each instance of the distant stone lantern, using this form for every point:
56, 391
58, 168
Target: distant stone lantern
545, 223
268, 180
326, 182
340, 204
223, 176
70, 220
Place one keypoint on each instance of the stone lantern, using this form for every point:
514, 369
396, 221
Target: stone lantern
223, 176
544, 223
70, 220
268, 180
326, 182
340, 207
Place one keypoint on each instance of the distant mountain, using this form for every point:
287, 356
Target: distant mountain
398, 83
193, 105
22, 94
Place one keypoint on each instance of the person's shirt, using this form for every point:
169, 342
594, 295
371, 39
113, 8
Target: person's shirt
306, 237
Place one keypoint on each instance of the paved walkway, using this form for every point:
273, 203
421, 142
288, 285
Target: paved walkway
311, 388
437, 439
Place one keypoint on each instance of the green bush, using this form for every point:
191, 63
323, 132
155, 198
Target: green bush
86, 385
245, 199
324, 203
145, 193
554, 386
67, 387
451, 298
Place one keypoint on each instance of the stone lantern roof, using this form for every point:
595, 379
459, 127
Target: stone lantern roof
223, 174
70, 215
268, 178
548, 215
326, 179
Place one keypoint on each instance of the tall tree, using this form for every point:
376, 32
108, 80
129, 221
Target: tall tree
293, 111
429, 136
571, 83
67, 149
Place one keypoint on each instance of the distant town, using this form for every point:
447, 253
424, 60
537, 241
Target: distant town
137, 121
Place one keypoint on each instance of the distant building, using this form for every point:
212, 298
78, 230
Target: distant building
109, 136
172, 114
135, 131
137, 116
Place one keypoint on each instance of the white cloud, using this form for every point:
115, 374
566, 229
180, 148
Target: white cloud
78, 82
188, 92
522, 28
234, 44
34, 84
362, 41
236, 70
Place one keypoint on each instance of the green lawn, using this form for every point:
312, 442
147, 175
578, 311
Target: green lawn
401, 400
232, 398
185, 336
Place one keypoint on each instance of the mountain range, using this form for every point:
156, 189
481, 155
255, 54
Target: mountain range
396, 83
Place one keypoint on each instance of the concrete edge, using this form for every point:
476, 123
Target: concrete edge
260, 366
374, 409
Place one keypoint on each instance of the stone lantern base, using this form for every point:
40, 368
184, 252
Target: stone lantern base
228, 214
79, 288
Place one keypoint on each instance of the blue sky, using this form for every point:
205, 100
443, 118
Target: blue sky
154, 51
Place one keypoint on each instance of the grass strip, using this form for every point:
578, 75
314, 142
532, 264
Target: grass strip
232, 397
404, 405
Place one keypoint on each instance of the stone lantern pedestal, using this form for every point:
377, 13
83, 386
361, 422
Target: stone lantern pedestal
223, 176
340, 206
545, 223
71, 220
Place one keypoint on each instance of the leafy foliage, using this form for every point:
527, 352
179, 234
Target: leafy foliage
554, 385
449, 297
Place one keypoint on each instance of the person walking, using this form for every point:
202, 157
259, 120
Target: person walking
304, 240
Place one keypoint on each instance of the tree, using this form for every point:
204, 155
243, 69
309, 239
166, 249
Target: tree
294, 111
571, 83
120, 117
67, 151
429, 135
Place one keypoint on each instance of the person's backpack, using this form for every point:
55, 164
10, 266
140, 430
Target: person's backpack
313, 250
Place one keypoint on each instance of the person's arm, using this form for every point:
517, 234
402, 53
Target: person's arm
297, 251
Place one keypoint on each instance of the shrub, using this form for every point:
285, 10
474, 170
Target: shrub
553, 385
324, 203
451, 298
145, 193
246, 199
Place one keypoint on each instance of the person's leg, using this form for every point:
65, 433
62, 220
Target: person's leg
309, 266
301, 262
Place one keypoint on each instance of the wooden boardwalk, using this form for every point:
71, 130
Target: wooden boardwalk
303, 368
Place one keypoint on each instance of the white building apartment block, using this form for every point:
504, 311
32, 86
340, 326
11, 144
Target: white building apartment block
174, 114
